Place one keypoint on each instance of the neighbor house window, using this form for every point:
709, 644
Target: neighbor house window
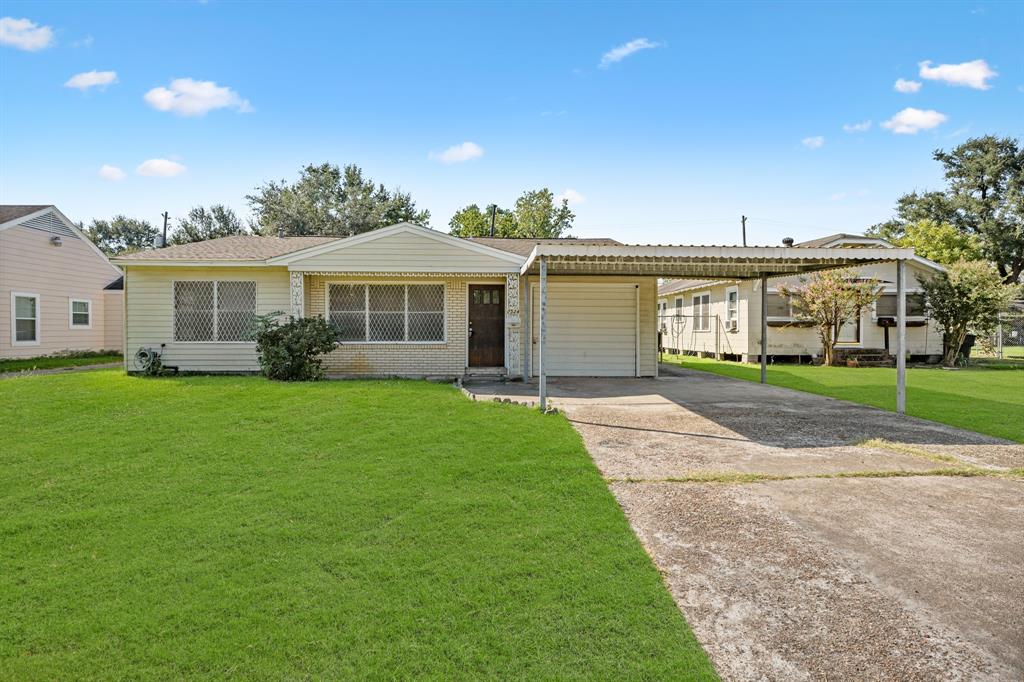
779, 307
387, 313
732, 307
885, 306
679, 307
24, 319
702, 312
80, 313
207, 311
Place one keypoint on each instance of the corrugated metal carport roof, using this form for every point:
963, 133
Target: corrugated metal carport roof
692, 262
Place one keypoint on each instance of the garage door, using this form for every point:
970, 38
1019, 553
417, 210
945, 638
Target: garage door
592, 329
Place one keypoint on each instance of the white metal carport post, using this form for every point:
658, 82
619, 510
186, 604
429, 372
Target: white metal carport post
901, 337
764, 328
542, 379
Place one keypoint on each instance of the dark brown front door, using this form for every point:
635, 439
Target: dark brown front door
486, 325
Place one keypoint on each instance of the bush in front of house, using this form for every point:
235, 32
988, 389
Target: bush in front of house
291, 351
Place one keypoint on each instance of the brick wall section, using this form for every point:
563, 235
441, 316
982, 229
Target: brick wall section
397, 359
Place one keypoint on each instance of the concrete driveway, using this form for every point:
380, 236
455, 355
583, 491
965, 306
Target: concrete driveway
810, 538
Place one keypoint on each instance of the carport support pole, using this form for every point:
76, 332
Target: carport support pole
542, 383
764, 328
901, 337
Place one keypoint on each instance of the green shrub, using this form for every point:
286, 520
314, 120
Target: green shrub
291, 351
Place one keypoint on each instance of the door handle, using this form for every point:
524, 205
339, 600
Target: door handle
470, 335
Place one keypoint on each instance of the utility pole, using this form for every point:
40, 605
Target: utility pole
165, 215
494, 213
743, 221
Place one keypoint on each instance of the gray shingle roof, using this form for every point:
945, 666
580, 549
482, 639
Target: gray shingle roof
239, 247
821, 241
523, 247
10, 212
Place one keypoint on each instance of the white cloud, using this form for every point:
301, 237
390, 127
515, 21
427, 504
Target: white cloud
91, 79
905, 86
911, 121
571, 196
84, 42
617, 54
108, 172
861, 127
969, 74
467, 151
160, 168
188, 97
816, 142
838, 196
25, 34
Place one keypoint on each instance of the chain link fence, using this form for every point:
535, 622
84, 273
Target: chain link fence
1006, 342
705, 335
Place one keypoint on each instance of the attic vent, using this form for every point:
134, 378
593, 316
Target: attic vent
49, 222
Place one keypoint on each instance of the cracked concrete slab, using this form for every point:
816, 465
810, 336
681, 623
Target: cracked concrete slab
839, 578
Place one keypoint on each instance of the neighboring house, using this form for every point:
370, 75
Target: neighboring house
407, 301
58, 291
722, 318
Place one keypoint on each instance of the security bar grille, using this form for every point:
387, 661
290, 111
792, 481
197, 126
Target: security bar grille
214, 311
382, 313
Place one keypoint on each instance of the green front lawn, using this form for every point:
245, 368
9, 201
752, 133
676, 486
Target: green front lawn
57, 361
984, 399
232, 527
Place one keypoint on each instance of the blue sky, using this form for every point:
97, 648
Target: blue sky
666, 122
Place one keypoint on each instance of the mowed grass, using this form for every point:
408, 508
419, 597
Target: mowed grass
988, 400
54, 362
233, 527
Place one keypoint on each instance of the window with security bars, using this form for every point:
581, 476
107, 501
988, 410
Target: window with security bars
214, 311
382, 313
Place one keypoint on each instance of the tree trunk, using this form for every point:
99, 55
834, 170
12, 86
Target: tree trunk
952, 351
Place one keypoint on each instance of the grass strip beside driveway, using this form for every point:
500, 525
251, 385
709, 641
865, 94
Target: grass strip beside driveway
227, 526
988, 400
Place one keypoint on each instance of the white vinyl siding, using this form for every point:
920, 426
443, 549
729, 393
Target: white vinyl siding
149, 314
405, 252
591, 329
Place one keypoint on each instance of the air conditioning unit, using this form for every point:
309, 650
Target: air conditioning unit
731, 325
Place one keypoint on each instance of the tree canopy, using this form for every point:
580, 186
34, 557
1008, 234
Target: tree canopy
201, 224
535, 215
940, 242
121, 235
966, 297
984, 198
332, 201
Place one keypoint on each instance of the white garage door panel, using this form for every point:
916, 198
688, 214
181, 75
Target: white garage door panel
591, 329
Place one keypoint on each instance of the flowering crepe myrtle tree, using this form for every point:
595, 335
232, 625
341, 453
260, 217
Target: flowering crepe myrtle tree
829, 299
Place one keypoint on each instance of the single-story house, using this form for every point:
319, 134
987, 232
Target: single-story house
58, 291
722, 318
410, 301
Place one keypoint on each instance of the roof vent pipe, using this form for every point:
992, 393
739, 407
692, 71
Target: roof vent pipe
788, 241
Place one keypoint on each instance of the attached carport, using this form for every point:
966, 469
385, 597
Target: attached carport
691, 262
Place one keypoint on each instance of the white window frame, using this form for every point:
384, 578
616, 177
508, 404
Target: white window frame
366, 310
789, 303
732, 315
71, 313
174, 325
893, 292
679, 306
15, 295
700, 309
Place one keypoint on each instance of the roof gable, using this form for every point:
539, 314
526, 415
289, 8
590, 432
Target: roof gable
404, 247
49, 219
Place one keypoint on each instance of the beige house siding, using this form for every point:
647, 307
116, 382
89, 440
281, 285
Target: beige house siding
446, 359
405, 252
29, 263
803, 340
150, 315
582, 329
113, 320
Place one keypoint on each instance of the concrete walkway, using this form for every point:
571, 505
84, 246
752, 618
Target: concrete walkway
810, 538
